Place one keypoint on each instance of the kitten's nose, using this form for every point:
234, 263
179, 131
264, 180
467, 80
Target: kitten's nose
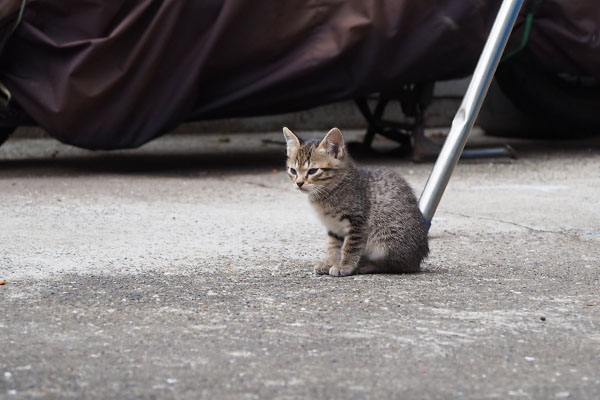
299, 184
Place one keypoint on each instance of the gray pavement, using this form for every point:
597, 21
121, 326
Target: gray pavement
183, 270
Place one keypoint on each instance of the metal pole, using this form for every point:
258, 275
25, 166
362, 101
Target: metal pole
469, 109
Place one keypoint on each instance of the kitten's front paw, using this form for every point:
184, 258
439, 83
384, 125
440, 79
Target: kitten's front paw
342, 270
322, 268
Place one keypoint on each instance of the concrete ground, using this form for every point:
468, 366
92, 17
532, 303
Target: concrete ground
183, 270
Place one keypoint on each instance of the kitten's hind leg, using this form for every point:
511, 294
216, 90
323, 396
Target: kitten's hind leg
367, 266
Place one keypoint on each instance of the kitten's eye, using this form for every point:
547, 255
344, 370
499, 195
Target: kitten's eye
313, 171
292, 171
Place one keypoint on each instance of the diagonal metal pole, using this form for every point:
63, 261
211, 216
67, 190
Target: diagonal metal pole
469, 108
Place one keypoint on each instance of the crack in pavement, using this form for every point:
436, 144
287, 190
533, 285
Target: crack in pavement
530, 228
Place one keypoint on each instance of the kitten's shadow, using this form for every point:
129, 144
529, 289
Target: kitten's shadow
426, 271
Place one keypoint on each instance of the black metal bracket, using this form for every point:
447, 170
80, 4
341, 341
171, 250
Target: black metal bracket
414, 99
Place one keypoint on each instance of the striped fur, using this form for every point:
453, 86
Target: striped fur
371, 216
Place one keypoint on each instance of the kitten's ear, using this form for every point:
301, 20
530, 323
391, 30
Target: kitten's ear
333, 143
291, 139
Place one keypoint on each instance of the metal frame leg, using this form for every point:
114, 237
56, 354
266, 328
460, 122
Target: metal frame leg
469, 108
373, 118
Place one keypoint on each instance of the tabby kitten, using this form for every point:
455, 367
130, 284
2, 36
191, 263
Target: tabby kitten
371, 215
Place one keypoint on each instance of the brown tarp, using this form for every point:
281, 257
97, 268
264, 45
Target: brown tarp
116, 74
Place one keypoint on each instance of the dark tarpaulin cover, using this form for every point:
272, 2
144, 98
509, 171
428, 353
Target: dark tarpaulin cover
106, 74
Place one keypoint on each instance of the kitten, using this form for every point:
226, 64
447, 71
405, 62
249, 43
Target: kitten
371, 215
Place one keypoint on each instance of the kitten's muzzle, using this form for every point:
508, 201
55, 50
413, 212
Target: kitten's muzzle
299, 184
